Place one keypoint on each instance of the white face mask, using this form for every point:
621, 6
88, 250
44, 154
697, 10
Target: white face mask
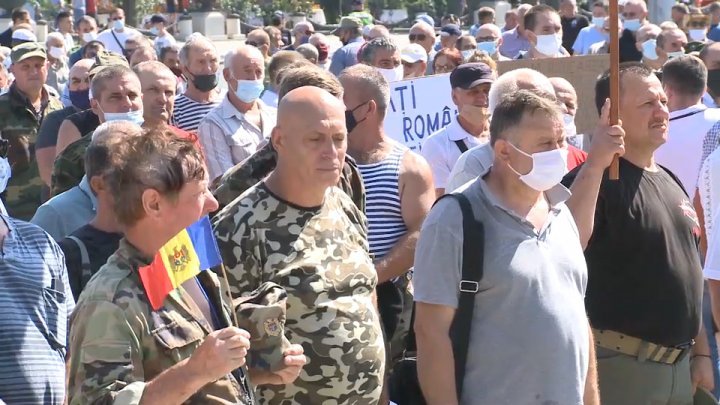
548, 44
570, 128
467, 53
547, 170
649, 49
136, 117
5, 173
673, 55
392, 75
697, 35
89, 36
57, 53
118, 25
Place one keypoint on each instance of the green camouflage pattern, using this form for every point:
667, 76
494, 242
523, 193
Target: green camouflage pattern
69, 166
262, 314
258, 166
321, 257
19, 125
116, 339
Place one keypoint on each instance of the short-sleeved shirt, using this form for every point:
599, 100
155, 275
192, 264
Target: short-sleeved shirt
709, 189
320, 256
188, 113
643, 258
68, 211
119, 344
587, 37
48, 134
529, 342
441, 150
37, 304
513, 43
346, 56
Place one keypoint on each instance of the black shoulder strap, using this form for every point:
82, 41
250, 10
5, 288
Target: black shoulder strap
461, 145
122, 48
86, 273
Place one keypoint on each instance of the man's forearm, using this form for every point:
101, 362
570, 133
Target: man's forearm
173, 386
592, 392
701, 346
400, 258
436, 369
582, 203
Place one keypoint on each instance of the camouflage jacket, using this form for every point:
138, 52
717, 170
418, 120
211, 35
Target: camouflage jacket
69, 166
19, 124
320, 256
118, 343
258, 166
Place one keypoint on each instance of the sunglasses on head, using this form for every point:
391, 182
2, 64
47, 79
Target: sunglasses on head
419, 37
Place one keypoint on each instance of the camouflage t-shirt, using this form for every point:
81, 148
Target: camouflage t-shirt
320, 256
118, 343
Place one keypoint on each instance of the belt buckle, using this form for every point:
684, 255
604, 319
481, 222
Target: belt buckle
469, 286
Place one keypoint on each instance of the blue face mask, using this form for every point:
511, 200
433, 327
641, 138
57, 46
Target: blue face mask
632, 25
467, 53
136, 117
155, 31
118, 25
249, 90
80, 99
490, 47
648, 49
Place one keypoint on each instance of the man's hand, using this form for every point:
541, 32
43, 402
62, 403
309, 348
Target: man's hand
294, 362
607, 141
701, 373
220, 353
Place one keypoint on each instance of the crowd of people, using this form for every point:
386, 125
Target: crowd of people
341, 254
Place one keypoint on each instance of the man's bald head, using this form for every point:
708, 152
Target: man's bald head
260, 39
306, 104
710, 55
565, 94
378, 31
520, 79
244, 63
156, 68
78, 75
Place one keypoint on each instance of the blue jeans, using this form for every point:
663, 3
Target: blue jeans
710, 331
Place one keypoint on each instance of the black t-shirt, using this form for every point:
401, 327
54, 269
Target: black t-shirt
48, 133
85, 121
644, 271
100, 246
628, 50
571, 28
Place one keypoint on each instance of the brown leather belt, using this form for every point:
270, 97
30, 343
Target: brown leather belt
639, 348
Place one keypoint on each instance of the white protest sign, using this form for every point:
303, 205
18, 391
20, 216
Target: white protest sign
418, 108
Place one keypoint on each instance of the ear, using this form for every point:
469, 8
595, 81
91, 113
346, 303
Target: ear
95, 107
226, 74
501, 150
97, 184
151, 201
660, 52
454, 96
276, 138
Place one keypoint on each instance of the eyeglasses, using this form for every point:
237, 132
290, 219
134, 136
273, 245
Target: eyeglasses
485, 39
419, 37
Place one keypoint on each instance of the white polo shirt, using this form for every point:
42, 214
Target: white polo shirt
709, 188
441, 151
683, 151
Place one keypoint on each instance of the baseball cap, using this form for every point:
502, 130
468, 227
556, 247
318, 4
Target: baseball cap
263, 315
469, 75
347, 22
105, 59
450, 30
23, 34
27, 50
413, 53
158, 18
279, 13
426, 19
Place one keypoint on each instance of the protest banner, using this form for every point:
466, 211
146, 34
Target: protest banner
421, 106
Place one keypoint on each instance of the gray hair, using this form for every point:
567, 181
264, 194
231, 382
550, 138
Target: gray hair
367, 56
56, 36
370, 81
509, 83
309, 52
195, 40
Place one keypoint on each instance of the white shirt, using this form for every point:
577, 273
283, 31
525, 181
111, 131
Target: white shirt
69, 42
709, 188
441, 151
164, 42
682, 153
228, 138
107, 38
469, 166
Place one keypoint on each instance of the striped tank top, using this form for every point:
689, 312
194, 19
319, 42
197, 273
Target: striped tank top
385, 221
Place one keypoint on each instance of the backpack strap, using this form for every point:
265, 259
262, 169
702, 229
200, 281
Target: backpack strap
461, 145
86, 273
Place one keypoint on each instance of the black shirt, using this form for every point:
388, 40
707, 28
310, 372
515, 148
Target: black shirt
571, 28
48, 133
6, 38
644, 271
100, 246
85, 121
628, 50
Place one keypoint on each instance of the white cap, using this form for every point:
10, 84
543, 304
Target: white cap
413, 53
23, 34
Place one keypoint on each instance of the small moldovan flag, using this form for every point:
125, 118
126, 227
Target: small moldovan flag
183, 257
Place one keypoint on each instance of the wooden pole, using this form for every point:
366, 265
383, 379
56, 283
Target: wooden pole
614, 80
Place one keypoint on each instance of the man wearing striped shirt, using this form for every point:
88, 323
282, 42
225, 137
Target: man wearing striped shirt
37, 303
200, 63
400, 192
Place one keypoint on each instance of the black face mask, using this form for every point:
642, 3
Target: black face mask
713, 82
205, 82
350, 121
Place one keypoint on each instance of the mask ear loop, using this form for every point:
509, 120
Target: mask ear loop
512, 168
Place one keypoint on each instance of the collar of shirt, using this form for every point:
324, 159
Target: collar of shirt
697, 107
84, 186
456, 132
227, 110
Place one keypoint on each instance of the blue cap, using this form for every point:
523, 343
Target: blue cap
426, 19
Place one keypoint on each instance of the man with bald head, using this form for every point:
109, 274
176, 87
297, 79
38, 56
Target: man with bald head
233, 130
158, 85
423, 34
670, 45
377, 31
490, 39
646, 42
261, 40
317, 251
567, 98
301, 32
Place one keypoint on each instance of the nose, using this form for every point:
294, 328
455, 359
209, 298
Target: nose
211, 204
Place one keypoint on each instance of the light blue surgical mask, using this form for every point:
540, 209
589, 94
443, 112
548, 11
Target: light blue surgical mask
155, 31
5, 173
632, 25
466, 54
118, 25
249, 90
598, 22
490, 47
648, 49
136, 117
